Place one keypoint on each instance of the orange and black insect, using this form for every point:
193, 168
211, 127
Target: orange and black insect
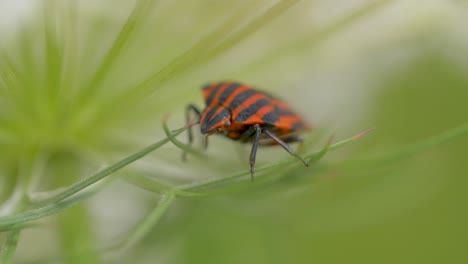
246, 114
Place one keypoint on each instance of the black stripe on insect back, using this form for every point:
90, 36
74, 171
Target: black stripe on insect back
297, 126
210, 98
217, 118
270, 117
283, 111
210, 114
248, 112
227, 92
240, 98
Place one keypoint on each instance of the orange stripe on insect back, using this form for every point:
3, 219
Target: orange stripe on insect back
292, 122
264, 110
286, 122
289, 119
208, 90
219, 92
248, 102
203, 116
257, 117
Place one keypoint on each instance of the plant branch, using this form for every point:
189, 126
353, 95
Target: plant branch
7, 252
106, 172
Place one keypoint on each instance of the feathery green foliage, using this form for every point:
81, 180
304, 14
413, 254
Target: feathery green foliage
83, 85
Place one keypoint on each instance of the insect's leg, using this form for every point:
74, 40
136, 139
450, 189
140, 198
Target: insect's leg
285, 146
253, 153
190, 108
295, 138
249, 132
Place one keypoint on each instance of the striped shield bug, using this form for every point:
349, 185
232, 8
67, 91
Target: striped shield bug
245, 114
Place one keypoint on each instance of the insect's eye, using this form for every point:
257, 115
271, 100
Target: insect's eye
227, 123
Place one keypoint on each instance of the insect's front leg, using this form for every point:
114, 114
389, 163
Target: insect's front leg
190, 108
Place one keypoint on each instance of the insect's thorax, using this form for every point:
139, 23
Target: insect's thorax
215, 119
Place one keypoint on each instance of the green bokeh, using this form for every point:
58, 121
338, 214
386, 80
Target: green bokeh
353, 207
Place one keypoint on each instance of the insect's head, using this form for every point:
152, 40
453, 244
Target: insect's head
215, 119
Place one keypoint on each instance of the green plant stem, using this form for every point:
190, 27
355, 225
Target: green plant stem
57, 202
186, 191
407, 151
11, 222
256, 24
77, 237
312, 157
308, 41
17, 220
75, 228
148, 222
7, 252
214, 43
177, 143
105, 172
149, 184
139, 14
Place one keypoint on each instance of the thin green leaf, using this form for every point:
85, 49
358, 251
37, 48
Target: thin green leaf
53, 60
11, 222
7, 252
15, 221
107, 171
315, 156
139, 14
309, 40
204, 50
177, 143
147, 224
256, 24
177, 66
348, 140
12, 77
152, 185
57, 203
407, 151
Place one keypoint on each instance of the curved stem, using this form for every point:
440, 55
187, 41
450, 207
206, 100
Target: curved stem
148, 222
73, 189
7, 252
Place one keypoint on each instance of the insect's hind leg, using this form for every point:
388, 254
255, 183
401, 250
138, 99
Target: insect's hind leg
295, 138
285, 145
253, 152
292, 139
190, 108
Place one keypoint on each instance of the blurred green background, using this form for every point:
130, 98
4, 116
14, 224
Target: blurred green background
82, 86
